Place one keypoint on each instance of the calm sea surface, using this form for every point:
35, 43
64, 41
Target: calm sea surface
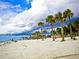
8, 38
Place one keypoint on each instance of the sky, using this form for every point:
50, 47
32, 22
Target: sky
23, 15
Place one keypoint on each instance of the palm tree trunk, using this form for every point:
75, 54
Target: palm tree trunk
37, 36
70, 29
42, 35
71, 32
62, 31
52, 34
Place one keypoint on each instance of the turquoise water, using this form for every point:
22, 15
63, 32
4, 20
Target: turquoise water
8, 38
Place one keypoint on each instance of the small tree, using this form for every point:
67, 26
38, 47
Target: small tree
36, 35
69, 15
51, 20
76, 26
40, 24
61, 17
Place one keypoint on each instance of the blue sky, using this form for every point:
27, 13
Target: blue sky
23, 15
21, 4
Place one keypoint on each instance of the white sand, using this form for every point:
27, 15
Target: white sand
37, 49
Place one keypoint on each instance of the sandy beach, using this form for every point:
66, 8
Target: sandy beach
38, 49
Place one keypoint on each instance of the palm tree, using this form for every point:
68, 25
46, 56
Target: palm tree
76, 26
61, 17
36, 34
69, 15
59, 31
40, 24
51, 20
44, 32
66, 30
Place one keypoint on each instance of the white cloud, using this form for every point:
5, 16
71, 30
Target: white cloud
7, 11
28, 1
28, 19
4, 6
7, 6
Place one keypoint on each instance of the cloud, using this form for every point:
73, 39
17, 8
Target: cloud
4, 5
7, 10
28, 1
28, 19
8, 6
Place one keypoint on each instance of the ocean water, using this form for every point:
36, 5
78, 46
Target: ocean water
8, 38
